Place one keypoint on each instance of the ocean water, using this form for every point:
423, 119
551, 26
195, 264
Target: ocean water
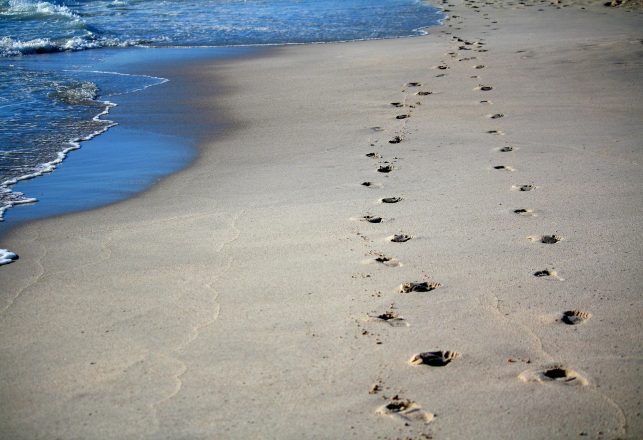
52, 102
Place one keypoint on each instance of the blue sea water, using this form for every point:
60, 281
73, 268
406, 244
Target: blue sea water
51, 103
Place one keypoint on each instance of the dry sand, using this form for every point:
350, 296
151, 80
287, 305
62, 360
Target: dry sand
239, 298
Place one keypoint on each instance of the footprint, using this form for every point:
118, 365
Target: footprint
405, 410
440, 75
523, 188
391, 199
496, 116
483, 88
553, 373
424, 93
546, 239
506, 149
547, 273
372, 219
399, 238
550, 239
395, 140
377, 128
496, 132
485, 101
479, 66
385, 168
524, 212
414, 84
434, 358
374, 155
419, 287
391, 318
383, 259
402, 116
442, 67
397, 104
375, 388
575, 317
504, 167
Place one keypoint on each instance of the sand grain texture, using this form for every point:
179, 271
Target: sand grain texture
233, 299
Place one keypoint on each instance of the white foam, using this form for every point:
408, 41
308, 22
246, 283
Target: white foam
10, 47
104, 72
73, 144
26, 7
48, 167
7, 257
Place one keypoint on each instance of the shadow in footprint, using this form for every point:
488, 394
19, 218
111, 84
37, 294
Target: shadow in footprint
434, 358
385, 260
372, 219
545, 239
385, 169
391, 199
549, 274
423, 286
395, 140
524, 212
399, 238
391, 318
524, 188
555, 373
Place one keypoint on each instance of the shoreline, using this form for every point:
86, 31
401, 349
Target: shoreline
245, 295
140, 123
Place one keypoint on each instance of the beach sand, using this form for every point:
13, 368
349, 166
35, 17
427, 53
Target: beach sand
247, 297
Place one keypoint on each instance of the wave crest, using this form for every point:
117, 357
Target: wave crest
30, 9
10, 47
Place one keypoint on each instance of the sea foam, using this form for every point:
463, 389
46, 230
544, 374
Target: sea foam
7, 257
